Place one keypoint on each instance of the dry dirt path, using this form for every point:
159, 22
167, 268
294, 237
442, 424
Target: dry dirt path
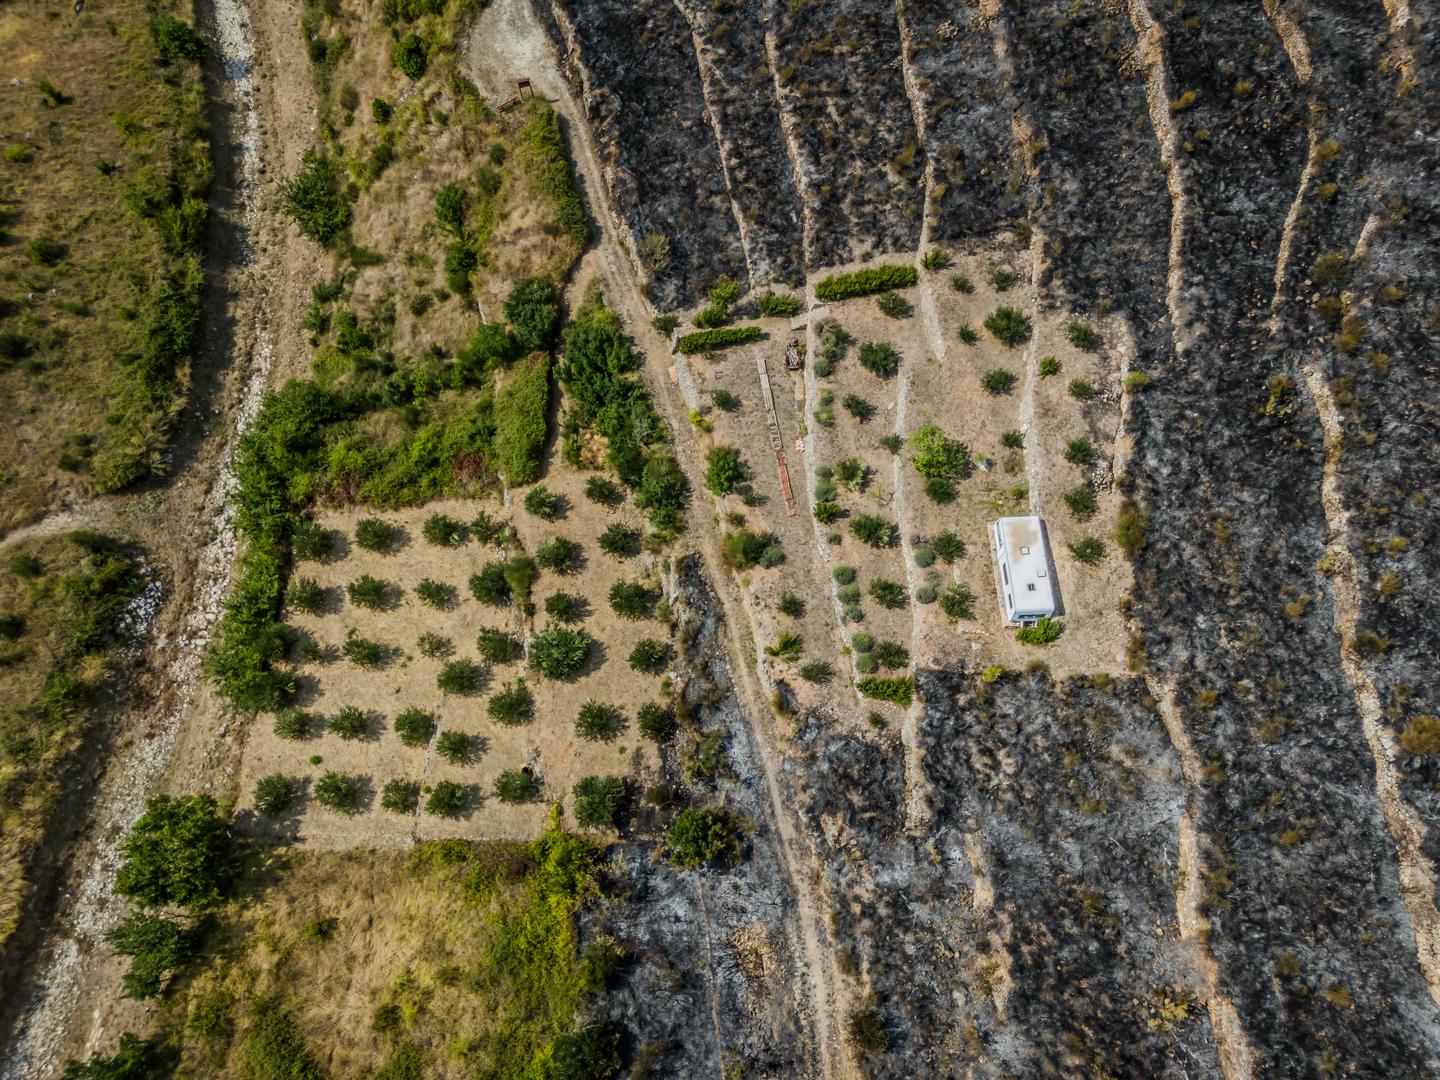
507, 42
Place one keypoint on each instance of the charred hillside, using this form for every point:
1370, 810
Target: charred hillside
1222, 863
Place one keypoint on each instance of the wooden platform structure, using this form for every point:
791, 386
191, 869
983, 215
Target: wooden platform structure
776, 442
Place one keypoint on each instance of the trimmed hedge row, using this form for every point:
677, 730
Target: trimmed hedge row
898, 691
864, 282
520, 413
721, 337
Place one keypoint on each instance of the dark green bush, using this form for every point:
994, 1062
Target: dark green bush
888, 594
598, 722
368, 592
294, 724
721, 337
1008, 325
598, 801
632, 599
873, 530
175, 40
414, 726
899, 691
304, 594
948, 547
962, 284
817, 671
858, 407
521, 410
544, 503
558, 652
350, 723
606, 492
649, 656
998, 381
1043, 632
620, 541
879, 359
434, 594
400, 796
1001, 278
1082, 336
863, 282
891, 654
155, 946
458, 677
489, 585
443, 531
411, 55
957, 602
374, 534
1049, 365
699, 836
1081, 389
559, 555
362, 652
1080, 452
310, 540
447, 799
498, 647
656, 722
179, 853
512, 704
779, 304
516, 786
843, 575
791, 605
313, 198
566, 607
892, 304
1082, 502
1088, 551
274, 794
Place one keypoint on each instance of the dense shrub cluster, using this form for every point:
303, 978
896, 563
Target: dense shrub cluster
721, 337
521, 408
543, 148
863, 282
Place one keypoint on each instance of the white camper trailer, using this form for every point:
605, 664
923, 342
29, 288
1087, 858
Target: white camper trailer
1022, 569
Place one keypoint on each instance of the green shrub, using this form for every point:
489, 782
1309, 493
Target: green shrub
998, 381
414, 726
663, 491
893, 305
791, 605
817, 671
1080, 452
433, 594
967, 334
850, 473
43, 251
858, 407
350, 723
411, 55
179, 853
489, 585
155, 946
498, 647
544, 503
598, 801
866, 664
1130, 528
935, 455
543, 154
827, 512
400, 796
558, 652
313, 198
521, 411
632, 599
1049, 365
533, 310
863, 282
862, 642
362, 652
272, 1046
962, 284
879, 359
338, 791
788, 646
744, 549
447, 799
724, 470
599, 489
373, 534
699, 836
866, 1031
656, 722
512, 704
848, 594
935, 259
443, 531
665, 325
294, 724
566, 607
620, 541
175, 40
559, 555
1087, 551
926, 594
520, 574
434, 646
873, 530
597, 722
307, 595
1082, 502
721, 337
516, 786
368, 592
1001, 278
458, 677
888, 594
381, 110
892, 442
924, 557
1082, 336
948, 547
782, 305
1043, 632
1081, 389
891, 654
843, 575
1009, 326
274, 794
1013, 440
649, 656
485, 528
899, 691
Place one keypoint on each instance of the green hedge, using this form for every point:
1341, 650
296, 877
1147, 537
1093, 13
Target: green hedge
520, 412
863, 282
720, 338
899, 691
545, 155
